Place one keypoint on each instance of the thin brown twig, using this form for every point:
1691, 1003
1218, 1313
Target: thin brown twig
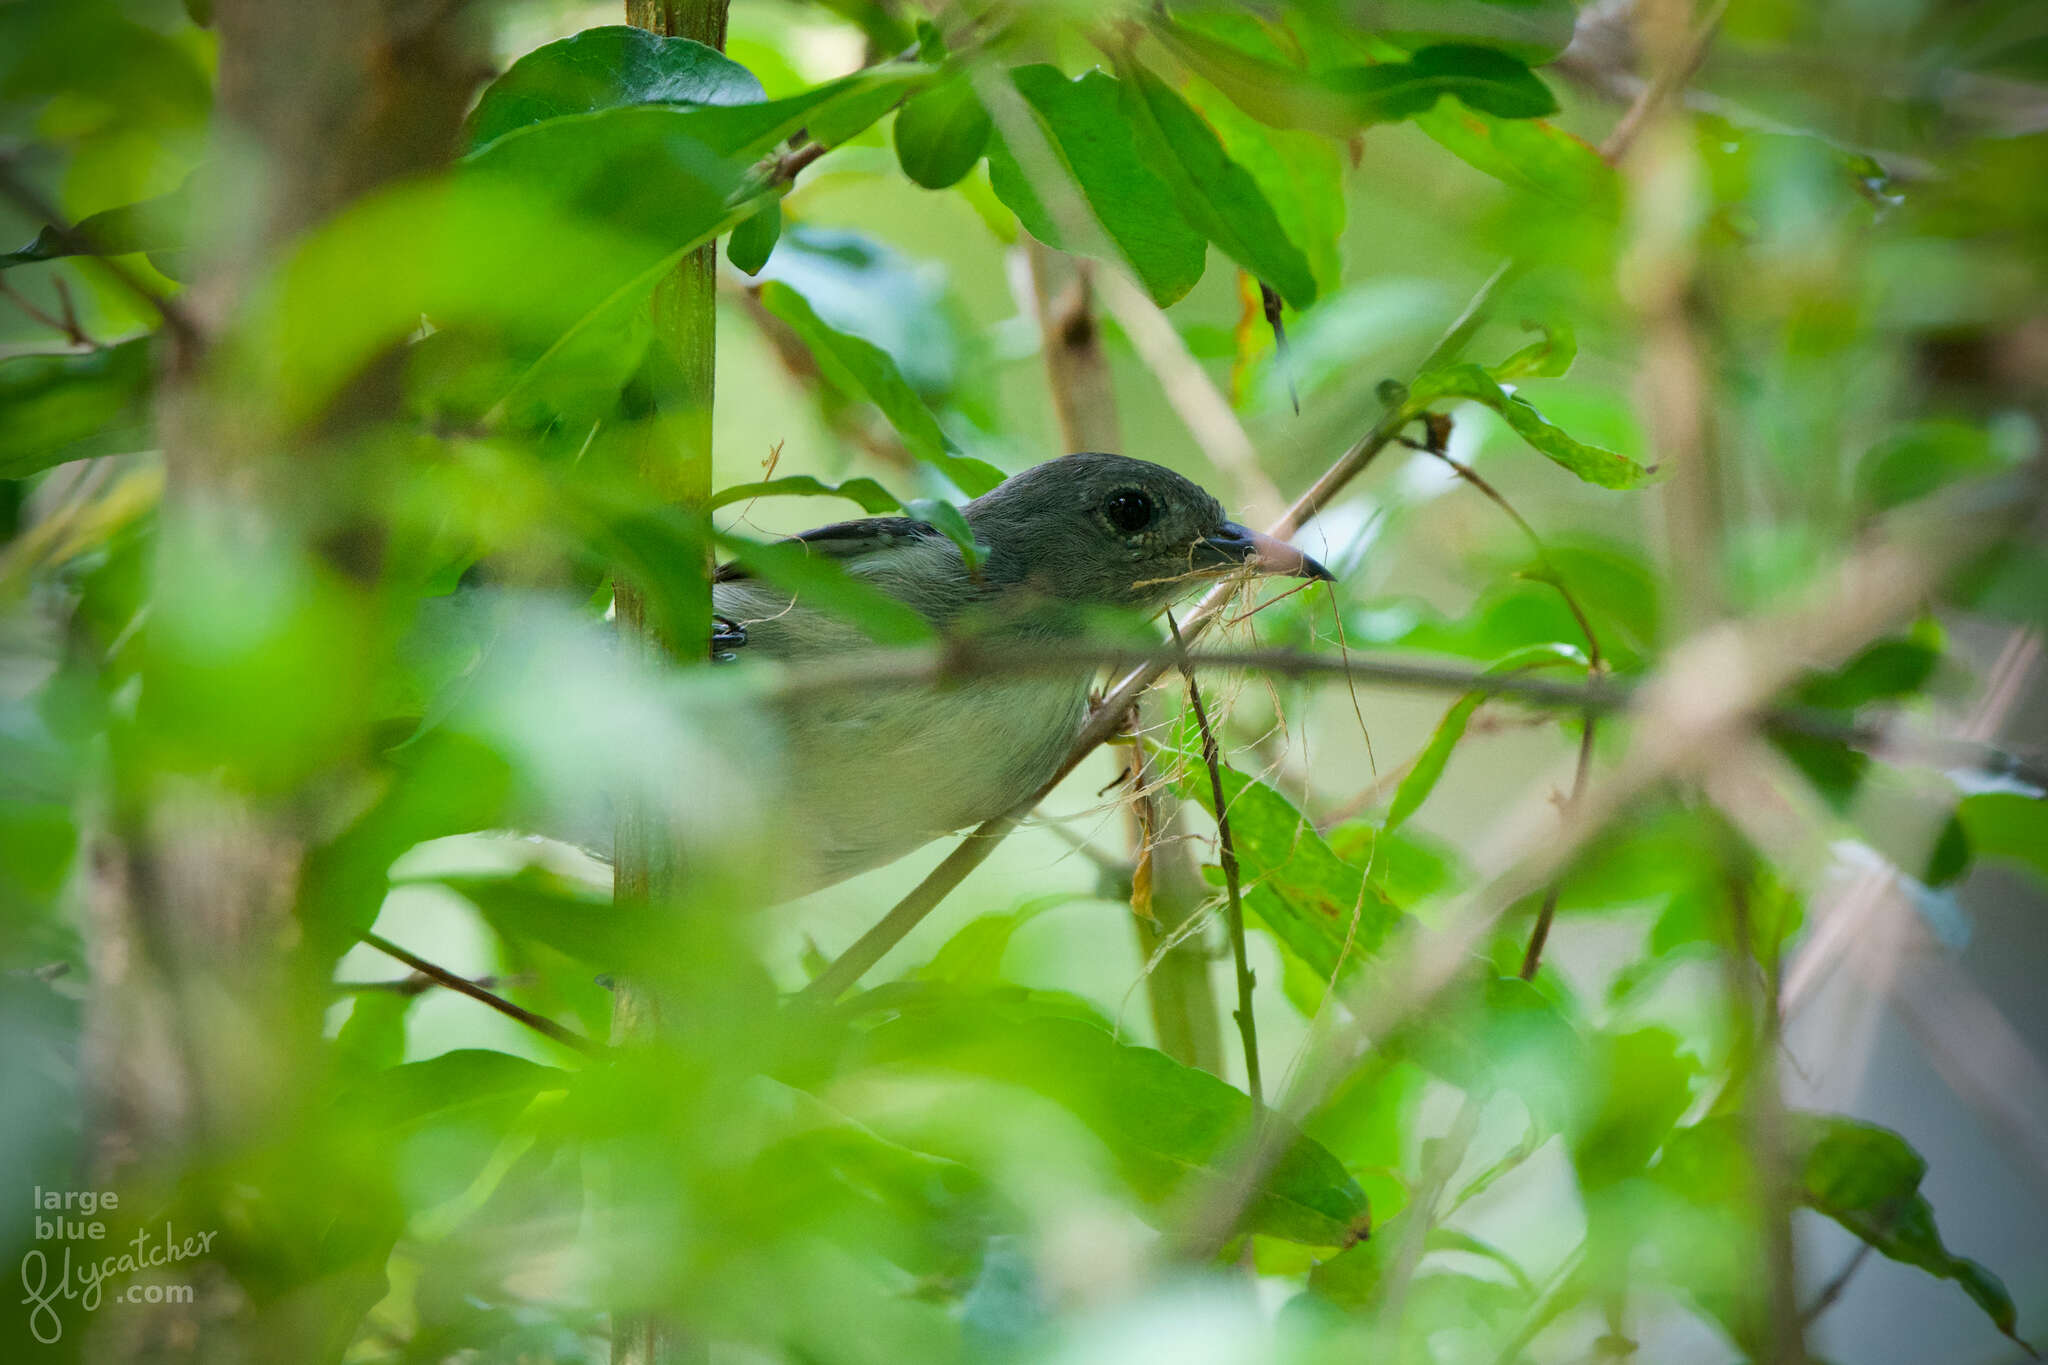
1835, 1287
1546, 914
1666, 83
185, 333
538, 1023
67, 324
1226, 853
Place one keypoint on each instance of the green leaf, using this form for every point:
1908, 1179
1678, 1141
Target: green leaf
941, 134
1084, 123
1533, 31
1218, 196
873, 499
1295, 884
973, 957
861, 369
534, 904
1528, 154
1924, 458
467, 1081
70, 407
1864, 1177
159, 224
1429, 764
2007, 825
1300, 174
1641, 1084
852, 113
868, 289
604, 68
944, 517
1550, 358
820, 583
1175, 1132
751, 242
1483, 78
1591, 463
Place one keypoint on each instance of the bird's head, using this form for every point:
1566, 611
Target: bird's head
1111, 531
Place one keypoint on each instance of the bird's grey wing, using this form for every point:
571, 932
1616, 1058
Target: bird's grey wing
906, 559
849, 541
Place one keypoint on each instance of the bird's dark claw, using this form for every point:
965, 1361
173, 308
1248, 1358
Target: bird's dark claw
727, 635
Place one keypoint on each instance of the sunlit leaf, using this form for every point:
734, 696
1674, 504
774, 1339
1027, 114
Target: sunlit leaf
602, 68
1300, 174
1529, 154
1220, 198
1591, 463
751, 242
941, 133
1100, 169
1316, 903
1174, 1131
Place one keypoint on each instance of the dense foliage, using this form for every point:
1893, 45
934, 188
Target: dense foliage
1683, 378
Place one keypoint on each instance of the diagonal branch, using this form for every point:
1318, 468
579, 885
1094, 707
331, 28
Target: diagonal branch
441, 975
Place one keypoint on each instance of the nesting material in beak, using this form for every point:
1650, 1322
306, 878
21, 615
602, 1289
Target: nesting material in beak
1235, 544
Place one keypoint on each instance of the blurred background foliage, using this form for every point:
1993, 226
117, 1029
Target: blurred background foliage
332, 406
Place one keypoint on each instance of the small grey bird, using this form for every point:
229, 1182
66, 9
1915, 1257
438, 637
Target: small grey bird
871, 775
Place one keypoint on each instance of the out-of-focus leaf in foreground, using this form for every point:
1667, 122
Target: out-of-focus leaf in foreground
1176, 1133
1864, 1177
69, 407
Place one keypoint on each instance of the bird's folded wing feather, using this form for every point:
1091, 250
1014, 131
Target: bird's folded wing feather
848, 541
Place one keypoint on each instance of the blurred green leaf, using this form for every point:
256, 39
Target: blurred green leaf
1864, 1177
566, 915
1528, 154
941, 133
973, 957
1175, 1132
862, 369
1483, 78
751, 242
71, 407
1500, 1033
1532, 30
159, 224
1641, 1082
1219, 197
1101, 168
1923, 458
603, 68
1430, 763
1592, 464
467, 1081
2009, 826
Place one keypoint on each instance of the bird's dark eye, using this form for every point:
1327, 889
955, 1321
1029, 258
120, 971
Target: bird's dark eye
1128, 510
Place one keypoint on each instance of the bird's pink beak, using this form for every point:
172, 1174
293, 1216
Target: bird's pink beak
1235, 544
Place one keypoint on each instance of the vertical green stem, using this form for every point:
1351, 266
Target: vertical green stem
675, 467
